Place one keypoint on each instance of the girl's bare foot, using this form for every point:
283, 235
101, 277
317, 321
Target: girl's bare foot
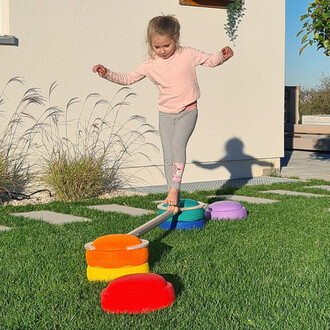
172, 200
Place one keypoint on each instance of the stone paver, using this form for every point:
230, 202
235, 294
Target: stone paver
292, 193
320, 187
51, 217
3, 228
134, 211
254, 200
306, 165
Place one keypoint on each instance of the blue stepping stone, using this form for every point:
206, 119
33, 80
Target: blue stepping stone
187, 225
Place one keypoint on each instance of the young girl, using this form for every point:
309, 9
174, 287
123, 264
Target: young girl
173, 70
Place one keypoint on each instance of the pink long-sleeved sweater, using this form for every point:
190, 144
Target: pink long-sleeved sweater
175, 77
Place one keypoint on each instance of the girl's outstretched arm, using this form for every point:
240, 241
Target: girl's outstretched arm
119, 78
100, 69
227, 52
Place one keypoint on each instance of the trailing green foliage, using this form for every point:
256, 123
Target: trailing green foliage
235, 11
268, 271
316, 101
316, 27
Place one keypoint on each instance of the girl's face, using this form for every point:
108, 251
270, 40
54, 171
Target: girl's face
163, 46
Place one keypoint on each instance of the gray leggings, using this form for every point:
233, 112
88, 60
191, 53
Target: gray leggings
175, 130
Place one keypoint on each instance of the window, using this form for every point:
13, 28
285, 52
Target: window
206, 3
5, 38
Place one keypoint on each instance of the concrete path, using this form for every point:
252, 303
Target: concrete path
293, 193
306, 165
51, 217
59, 218
320, 187
121, 209
300, 164
253, 200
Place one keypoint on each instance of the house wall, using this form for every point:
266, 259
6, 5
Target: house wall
240, 126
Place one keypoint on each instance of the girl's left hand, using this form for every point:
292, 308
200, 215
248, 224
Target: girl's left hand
227, 52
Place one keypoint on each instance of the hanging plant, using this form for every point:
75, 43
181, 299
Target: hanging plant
235, 11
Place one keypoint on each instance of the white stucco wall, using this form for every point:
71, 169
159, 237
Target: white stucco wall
241, 101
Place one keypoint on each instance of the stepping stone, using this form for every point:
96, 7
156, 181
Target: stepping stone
254, 200
320, 187
292, 193
134, 211
51, 217
3, 228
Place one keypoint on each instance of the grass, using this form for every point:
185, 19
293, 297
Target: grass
268, 271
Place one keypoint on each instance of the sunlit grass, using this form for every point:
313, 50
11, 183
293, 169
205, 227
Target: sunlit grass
268, 271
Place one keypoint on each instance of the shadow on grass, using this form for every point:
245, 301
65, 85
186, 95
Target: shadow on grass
176, 282
156, 252
158, 249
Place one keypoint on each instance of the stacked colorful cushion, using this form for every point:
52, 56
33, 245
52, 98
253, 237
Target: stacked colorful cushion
190, 216
113, 256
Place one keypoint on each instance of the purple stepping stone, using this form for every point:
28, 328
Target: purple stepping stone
225, 210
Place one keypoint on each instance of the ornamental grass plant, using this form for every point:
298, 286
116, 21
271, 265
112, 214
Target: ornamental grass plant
75, 152
74, 179
16, 140
84, 157
12, 179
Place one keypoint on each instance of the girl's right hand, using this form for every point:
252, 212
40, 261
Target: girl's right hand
100, 69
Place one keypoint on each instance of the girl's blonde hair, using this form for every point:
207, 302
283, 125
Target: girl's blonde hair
164, 25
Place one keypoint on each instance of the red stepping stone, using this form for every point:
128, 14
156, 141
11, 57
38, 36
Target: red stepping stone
137, 293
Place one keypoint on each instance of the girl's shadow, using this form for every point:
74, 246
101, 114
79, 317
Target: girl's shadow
158, 249
240, 172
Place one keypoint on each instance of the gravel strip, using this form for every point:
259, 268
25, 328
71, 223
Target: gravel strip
44, 197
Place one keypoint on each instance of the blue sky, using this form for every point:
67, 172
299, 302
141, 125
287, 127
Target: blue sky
303, 70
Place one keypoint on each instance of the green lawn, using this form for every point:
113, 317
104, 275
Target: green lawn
268, 271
